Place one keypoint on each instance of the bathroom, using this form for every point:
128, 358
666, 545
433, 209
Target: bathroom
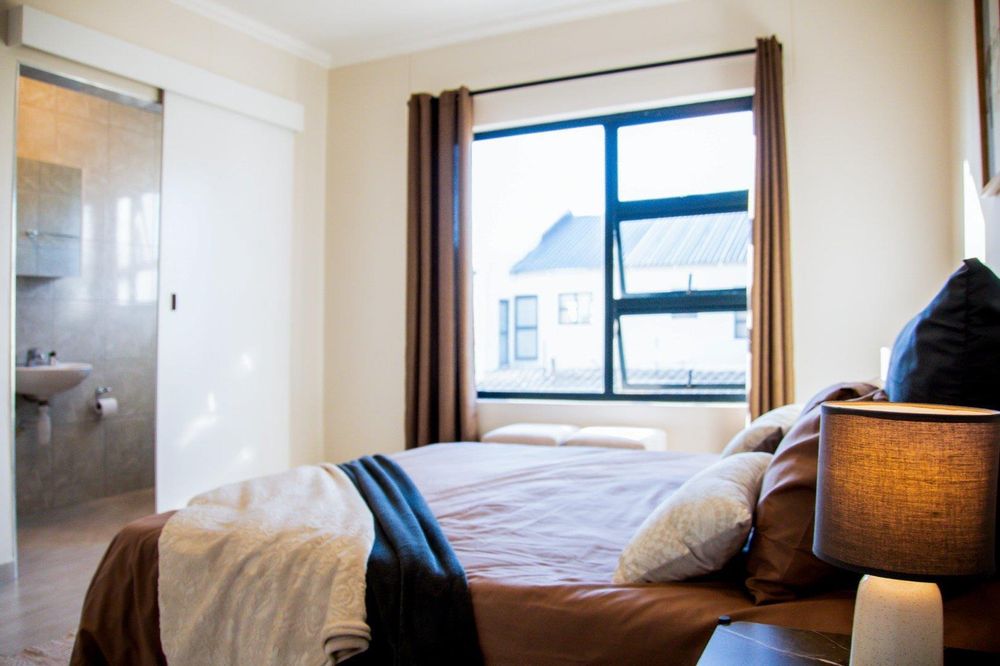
87, 250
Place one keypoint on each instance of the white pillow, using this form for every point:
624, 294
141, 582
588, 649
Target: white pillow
700, 527
774, 423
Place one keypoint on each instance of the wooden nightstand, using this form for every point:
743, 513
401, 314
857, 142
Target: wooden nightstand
752, 644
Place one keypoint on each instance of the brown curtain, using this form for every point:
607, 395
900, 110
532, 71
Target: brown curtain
771, 376
440, 385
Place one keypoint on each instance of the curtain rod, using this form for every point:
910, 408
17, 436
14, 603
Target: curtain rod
618, 70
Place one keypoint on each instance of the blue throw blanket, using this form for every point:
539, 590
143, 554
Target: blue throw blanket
417, 599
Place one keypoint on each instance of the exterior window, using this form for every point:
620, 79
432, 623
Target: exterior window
504, 341
574, 308
632, 231
740, 326
526, 328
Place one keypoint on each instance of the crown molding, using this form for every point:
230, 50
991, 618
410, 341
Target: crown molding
27, 26
259, 31
376, 49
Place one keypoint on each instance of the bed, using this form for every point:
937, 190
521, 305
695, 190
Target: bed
538, 531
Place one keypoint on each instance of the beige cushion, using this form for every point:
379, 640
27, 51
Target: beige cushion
539, 434
765, 432
619, 437
700, 527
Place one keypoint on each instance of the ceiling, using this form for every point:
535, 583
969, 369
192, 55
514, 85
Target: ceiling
341, 32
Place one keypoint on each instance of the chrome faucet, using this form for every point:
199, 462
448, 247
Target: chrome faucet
35, 357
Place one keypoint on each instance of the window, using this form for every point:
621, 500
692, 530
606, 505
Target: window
635, 227
574, 308
526, 328
504, 341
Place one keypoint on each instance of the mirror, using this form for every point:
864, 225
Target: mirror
49, 219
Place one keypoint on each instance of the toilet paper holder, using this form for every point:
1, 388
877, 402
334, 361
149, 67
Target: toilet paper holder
104, 404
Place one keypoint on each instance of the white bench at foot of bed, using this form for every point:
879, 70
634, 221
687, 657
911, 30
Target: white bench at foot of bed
537, 434
553, 434
619, 437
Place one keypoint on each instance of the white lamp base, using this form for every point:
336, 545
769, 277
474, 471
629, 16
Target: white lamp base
897, 622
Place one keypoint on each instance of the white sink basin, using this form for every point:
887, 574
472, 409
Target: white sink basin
44, 381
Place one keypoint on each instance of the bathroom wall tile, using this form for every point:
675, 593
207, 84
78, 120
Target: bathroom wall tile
36, 134
94, 222
79, 330
134, 217
82, 143
33, 471
133, 384
133, 161
33, 289
81, 105
25, 412
130, 453
59, 179
77, 463
130, 332
37, 93
135, 119
33, 328
27, 175
135, 281
27, 210
94, 283
77, 404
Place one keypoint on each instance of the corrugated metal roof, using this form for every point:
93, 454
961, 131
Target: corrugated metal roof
692, 240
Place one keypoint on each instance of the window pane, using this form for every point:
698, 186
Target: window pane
677, 158
538, 229
689, 253
663, 353
527, 311
526, 344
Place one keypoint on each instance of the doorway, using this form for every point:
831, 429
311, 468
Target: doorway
87, 202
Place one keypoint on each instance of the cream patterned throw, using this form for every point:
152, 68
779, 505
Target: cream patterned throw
700, 527
271, 570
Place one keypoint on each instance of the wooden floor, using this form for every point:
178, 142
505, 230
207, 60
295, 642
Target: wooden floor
58, 551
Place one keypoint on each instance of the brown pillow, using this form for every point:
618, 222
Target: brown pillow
780, 562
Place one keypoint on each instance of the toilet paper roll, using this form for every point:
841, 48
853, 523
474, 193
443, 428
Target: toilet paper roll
106, 407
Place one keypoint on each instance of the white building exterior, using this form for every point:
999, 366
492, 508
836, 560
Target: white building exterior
561, 282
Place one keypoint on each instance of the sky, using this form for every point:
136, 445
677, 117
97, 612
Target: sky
522, 184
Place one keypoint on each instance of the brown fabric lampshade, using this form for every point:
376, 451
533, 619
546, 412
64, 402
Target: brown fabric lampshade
906, 490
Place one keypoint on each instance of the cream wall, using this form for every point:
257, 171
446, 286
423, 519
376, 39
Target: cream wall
166, 28
871, 197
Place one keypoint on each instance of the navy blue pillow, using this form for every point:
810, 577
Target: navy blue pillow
949, 353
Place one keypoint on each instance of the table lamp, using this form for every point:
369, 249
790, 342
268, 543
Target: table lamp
907, 495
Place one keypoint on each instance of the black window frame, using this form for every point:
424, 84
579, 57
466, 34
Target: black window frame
625, 304
518, 327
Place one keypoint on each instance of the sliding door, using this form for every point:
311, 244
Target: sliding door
223, 378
